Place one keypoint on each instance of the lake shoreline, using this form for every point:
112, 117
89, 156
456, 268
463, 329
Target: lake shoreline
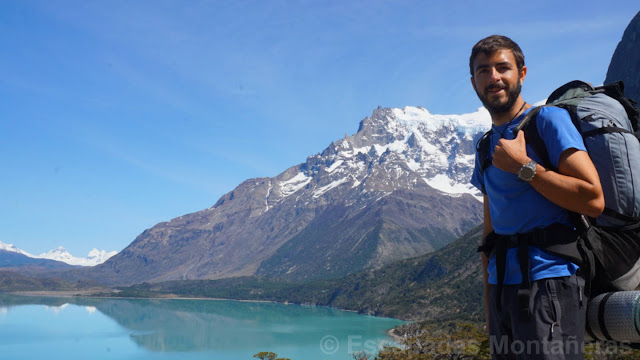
145, 327
99, 294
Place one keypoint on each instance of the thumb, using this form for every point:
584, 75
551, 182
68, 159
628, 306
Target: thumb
520, 136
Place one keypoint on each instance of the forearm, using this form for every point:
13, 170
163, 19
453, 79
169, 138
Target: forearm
575, 186
568, 192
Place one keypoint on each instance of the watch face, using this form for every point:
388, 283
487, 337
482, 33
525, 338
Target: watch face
527, 172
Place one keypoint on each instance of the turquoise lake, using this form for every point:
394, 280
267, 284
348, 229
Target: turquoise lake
88, 328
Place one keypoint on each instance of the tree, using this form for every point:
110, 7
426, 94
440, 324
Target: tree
268, 355
265, 355
360, 355
457, 341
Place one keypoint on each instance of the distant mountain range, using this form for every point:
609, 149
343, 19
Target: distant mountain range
14, 261
398, 188
94, 257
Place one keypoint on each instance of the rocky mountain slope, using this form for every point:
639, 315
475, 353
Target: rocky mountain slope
397, 188
445, 284
625, 63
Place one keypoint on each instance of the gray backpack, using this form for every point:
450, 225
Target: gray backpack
609, 245
610, 133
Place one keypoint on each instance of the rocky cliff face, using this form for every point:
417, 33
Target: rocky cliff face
397, 188
625, 63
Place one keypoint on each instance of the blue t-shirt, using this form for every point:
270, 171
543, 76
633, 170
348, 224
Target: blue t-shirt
516, 207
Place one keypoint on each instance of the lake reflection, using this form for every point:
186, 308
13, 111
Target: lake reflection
181, 329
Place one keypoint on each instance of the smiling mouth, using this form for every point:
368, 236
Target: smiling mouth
494, 90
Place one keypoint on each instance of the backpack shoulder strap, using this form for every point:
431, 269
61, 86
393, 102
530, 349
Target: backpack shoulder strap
533, 138
482, 147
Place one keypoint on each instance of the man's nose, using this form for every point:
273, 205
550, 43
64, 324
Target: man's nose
495, 75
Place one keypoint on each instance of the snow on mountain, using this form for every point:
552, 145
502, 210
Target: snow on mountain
11, 248
94, 257
294, 184
440, 148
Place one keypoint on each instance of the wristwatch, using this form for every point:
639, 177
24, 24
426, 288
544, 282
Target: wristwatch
528, 171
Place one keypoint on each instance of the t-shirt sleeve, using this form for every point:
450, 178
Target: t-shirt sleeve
558, 133
477, 178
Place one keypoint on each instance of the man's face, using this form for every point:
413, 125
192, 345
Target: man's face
497, 80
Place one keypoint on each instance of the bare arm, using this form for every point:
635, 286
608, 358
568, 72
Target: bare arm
576, 185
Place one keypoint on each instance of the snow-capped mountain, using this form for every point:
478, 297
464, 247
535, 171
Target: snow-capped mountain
440, 148
397, 188
13, 249
94, 257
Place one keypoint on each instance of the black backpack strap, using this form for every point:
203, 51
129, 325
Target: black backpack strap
605, 130
533, 138
556, 239
501, 268
559, 240
524, 293
616, 215
616, 91
588, 266
488, 244
482, 147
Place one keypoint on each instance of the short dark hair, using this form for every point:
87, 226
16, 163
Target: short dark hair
493, 43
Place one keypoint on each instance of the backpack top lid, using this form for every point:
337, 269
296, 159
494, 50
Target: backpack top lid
571, 93
571, 90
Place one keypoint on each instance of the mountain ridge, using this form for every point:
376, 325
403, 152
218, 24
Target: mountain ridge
405, 173
94, 257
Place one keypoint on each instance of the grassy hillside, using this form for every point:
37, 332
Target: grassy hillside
11, 281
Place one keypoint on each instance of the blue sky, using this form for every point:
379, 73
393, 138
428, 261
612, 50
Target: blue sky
117, 115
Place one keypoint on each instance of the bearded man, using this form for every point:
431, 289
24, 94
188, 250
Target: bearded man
535, 306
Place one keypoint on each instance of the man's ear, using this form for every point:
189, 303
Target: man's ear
473, 83
523, 74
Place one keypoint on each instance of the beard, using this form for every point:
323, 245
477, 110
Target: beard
497, 107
